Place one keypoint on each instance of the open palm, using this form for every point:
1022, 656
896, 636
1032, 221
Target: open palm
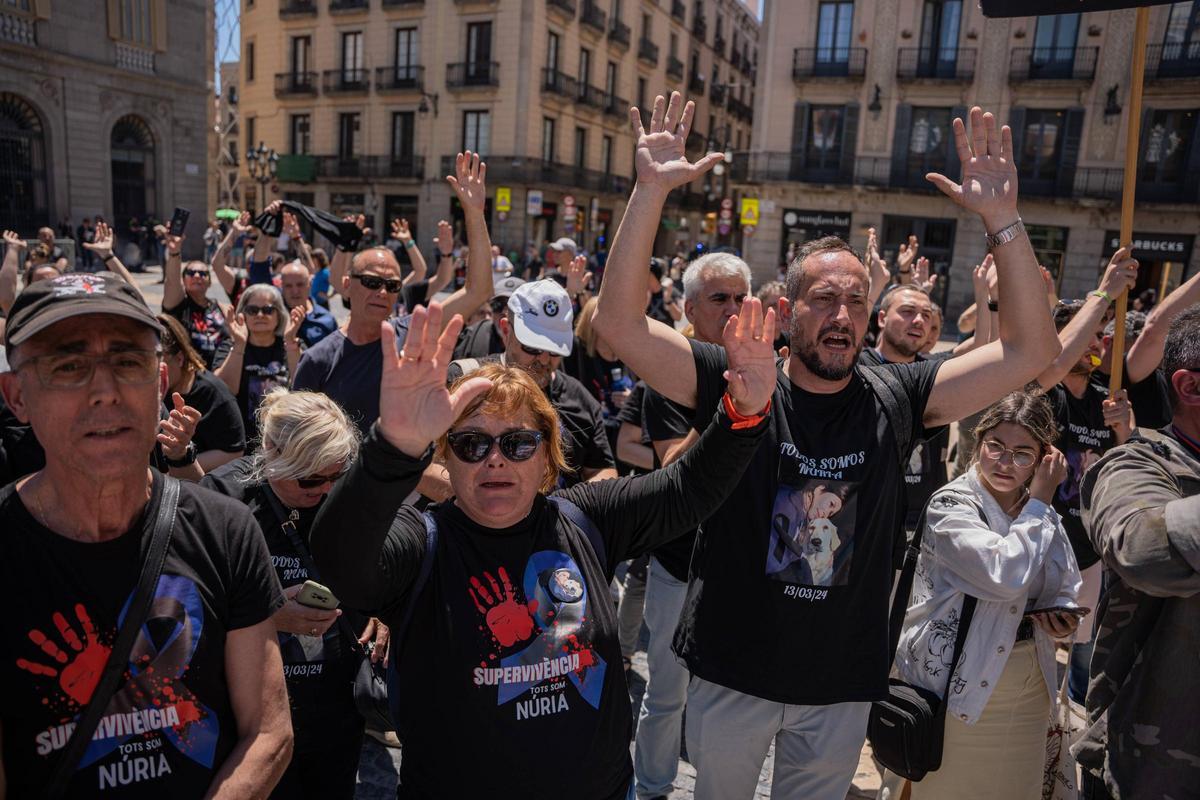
660, 159
989, 171
749, 340
469, 180
415, 407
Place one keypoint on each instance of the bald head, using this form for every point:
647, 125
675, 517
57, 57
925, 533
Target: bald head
295, 283
376, 259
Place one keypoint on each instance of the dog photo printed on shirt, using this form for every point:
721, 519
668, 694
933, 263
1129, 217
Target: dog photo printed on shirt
812, 528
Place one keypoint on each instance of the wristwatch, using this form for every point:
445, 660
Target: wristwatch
993, 305
1005, 235
189, 457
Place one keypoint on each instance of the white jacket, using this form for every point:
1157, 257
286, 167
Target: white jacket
1003, 563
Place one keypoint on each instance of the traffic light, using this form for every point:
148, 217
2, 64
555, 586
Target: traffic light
710, 222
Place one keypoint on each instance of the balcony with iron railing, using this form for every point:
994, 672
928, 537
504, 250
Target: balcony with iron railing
740, 109
719, 45
346, 81
616, 106
717, 93
288, 84
674, 68
1053, 63
872, 171
348, 6
403, 3
353, 167
916, 63
400, 78
565, 8
647, 51
619, 33
678, 10
297, 8
696, 84
535, 171
827, 62
472, 74
555, 81
1173, 60
593, 17
775, 167
592, 97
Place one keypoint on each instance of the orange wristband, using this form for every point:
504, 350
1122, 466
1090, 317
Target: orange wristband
741, 421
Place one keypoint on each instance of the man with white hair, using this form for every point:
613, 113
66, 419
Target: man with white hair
714, 287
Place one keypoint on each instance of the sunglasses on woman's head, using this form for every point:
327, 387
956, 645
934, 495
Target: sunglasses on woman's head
474, 446
252, 311
373, 283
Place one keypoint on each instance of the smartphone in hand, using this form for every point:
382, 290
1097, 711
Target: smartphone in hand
179, 221
314, 595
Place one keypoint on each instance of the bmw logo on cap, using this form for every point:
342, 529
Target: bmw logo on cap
551, 308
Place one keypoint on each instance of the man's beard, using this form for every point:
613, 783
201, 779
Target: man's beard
904, 347
806, 351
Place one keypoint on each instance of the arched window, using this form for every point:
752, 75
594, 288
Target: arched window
23, 201
133, 174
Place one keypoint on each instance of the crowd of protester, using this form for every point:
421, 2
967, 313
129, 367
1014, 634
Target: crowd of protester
244, 536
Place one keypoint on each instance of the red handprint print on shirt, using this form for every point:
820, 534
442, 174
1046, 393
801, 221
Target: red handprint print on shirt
508, 620
79, 670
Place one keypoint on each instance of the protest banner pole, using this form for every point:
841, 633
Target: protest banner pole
1130, 185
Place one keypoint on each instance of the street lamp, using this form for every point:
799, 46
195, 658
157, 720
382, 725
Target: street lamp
262, 162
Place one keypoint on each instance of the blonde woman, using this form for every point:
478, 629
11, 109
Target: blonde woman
307, 443
992, 534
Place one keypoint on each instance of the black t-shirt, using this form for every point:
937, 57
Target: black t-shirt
585, 442
479, 341
925, 470
220, 427
792, 574
348, 373
263, 369
20, 451
1150, 397
1083, 438
510, 676
171, 724
319, 669
667, 420
631, 412
206, 326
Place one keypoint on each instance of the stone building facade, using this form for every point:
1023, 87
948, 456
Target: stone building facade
366, 101
104, 109
854, 106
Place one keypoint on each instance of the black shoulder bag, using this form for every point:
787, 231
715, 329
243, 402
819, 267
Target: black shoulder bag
906, 730
118, 659
370, 680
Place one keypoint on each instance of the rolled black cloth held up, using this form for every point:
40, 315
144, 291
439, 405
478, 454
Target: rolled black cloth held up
345, 235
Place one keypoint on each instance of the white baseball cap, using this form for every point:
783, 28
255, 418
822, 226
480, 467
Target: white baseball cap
542, 317
565, 243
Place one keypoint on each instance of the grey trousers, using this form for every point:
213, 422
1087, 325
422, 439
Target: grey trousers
728, 735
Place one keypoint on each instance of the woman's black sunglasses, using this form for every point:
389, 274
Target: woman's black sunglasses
373, 283
313, 481
474, 446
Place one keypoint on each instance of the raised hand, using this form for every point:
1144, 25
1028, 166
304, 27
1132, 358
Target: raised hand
469, 181
241, 224
578, 276
238, 329
415, 407
174, 243
295, 320
445, 237
660, 159
908, 252
273, 208
176, 431
1120, 274
979, 277
291, 226
102, 244
989, 171
400, 231
13, 239
749, 339
922, 275
1048, 279
1050, 472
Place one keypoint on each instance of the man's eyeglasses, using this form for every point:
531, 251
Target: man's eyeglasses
252, 311
533, 351
1020, 458
373, 283
72, 370
195, 273
474, 446
315, 481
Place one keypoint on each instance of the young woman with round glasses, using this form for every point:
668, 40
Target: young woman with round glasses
511, 661
991, 534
